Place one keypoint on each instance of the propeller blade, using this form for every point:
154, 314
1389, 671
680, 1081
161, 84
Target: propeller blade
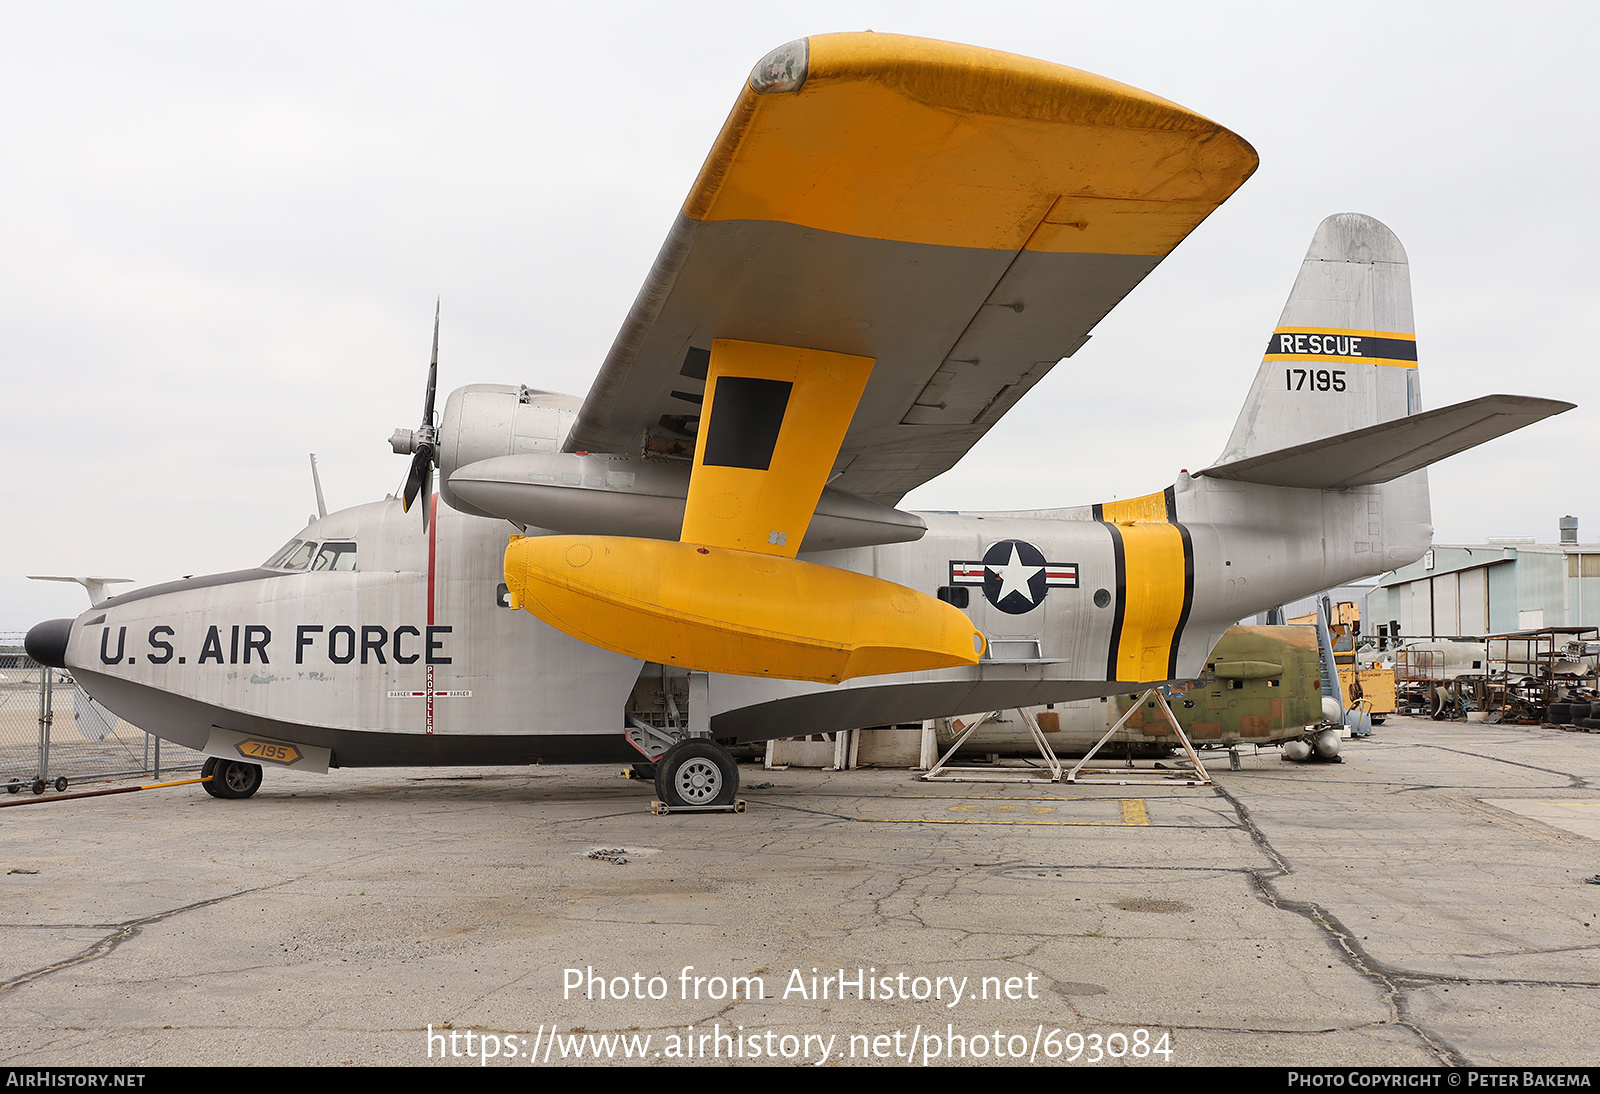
433, 372
421, 467
427, 495
423, 443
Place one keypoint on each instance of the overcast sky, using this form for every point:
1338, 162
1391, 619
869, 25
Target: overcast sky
225, 227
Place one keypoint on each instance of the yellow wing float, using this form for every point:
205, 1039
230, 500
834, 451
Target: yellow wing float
890, 242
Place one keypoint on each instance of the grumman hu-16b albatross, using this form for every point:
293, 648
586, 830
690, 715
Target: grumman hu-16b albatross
891, 241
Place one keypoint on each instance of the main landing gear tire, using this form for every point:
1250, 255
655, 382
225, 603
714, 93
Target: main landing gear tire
231, 778
697, 772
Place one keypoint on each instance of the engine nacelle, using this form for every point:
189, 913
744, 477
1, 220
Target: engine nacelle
482, 421
500, 456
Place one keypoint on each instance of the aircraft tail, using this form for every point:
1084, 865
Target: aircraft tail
1343, 356
1336, 403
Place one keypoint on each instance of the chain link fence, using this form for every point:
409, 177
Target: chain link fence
53, 734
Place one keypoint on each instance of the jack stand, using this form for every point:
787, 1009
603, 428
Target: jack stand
1110, 776
943, 772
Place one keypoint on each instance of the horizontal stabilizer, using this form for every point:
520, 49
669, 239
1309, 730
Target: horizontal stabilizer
1379, 453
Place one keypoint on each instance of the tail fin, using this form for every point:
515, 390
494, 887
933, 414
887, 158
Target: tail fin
1336, 402
1344, 354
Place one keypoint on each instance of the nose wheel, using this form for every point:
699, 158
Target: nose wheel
697, 772
231, 778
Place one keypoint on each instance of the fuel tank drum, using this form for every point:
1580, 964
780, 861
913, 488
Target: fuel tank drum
1327, 744
1296, 750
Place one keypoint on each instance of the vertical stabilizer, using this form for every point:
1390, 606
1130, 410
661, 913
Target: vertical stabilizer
1344, 353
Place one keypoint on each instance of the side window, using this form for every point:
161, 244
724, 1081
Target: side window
336, 556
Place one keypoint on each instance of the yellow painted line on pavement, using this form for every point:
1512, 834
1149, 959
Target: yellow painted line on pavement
1134, 815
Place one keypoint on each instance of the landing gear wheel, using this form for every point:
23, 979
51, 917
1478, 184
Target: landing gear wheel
40, 786
13, 787
647, 772
61, 784
697, 772
231, 778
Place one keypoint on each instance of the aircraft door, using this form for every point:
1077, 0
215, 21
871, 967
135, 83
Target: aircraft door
1008, 587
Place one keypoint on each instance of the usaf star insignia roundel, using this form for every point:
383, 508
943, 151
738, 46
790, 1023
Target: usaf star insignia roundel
1015, 576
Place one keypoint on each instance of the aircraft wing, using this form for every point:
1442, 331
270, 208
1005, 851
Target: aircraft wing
963, 217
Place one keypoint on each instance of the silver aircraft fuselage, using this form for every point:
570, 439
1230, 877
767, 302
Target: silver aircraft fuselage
377, 638
413, 656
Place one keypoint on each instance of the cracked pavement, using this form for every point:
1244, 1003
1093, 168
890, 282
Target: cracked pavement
1422, 903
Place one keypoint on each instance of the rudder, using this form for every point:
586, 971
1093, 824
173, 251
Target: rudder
1344, 353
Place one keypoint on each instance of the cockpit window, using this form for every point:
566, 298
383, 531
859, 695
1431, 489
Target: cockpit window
295, 555
301, 554
336, 556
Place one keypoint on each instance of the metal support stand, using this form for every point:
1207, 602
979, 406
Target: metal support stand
943, 772
846, 749
928, 750
46, 717
1110, 776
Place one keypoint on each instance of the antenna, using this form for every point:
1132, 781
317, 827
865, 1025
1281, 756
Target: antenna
316, 481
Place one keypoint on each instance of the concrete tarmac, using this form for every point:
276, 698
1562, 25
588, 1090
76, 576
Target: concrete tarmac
1422, 903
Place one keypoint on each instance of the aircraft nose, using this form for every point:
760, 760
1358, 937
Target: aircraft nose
47, 642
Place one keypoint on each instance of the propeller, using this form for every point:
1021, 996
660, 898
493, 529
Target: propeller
422, 443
